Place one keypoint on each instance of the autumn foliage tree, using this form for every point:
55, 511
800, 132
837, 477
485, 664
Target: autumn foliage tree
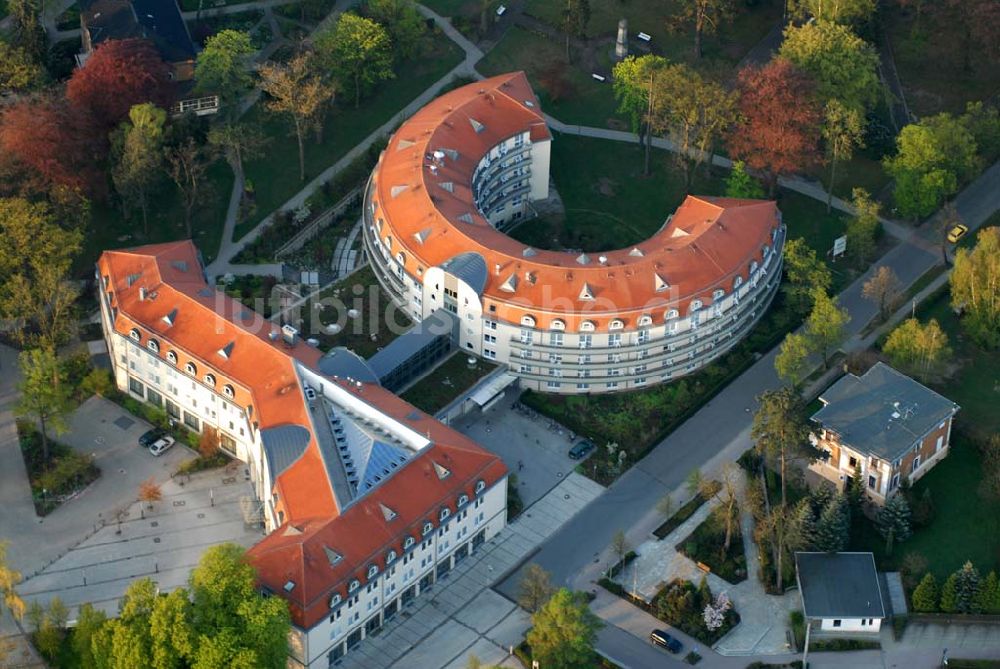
119, 75
779, 129
150, 492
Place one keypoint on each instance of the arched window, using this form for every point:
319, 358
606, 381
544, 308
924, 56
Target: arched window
390, 557
463, 499
335, 600
153, 345
645, 319
480, 486
372, 571
408, 543
134, 334
171, 357
753, 267
445, 512
616, 324
228, 391
355, 584
718, 294
557, 324
672, 313
401, 258
696, 305
528, 321
428, 528
587, 326
210, 379
737, 282
191, 369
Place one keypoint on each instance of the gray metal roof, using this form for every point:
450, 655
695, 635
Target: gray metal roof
882, 412
470, 268
839, 585
283, 445
344, 363
411, 342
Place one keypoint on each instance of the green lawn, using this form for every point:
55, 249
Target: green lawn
964, 527
734, 40
109, 230
275, 175
609, 203
453, 377
378, 322
589, 103
930, 66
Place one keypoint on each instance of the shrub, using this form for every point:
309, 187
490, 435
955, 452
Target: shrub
925, 596
97, 382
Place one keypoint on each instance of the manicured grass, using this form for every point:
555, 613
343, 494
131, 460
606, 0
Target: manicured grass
276, 176
609, 203
964, 527
733, 41
863, 170
453, 377
378, 321
109, 230
930, 65
590, 102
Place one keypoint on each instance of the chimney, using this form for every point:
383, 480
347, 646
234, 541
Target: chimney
142, 294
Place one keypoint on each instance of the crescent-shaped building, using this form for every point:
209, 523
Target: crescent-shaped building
467, 167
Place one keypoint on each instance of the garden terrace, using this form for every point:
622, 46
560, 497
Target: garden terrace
449, 380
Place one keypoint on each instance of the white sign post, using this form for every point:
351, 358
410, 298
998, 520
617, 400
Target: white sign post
839, 246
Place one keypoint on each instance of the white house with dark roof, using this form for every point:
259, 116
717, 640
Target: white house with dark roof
883, 425
840, 592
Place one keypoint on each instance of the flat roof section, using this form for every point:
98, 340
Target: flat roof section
839, 585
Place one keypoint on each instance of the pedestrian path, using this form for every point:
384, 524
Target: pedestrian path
462, 615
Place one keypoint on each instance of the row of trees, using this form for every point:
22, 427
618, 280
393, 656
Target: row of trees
964, 591
219, 620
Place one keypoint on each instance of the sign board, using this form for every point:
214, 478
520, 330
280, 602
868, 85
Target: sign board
839, 246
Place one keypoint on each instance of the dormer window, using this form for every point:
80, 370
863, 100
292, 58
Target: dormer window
153, 345
463, 499
408, 543
696, 305
390, 557
558, 324
528, 321
718, 294
616, 324
480, 486
445, 512
645, 320
428, 528
672, 313
134, 334
587, 326
171, 357
737, 282
354, 585
191, 369
210, 379
753, 266
335, 600
228, 391
372, 571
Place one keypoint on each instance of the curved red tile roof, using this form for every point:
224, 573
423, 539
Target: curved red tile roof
705, 245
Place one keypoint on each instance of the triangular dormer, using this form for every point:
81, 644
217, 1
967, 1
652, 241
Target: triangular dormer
510, 285
332, 556
586, 293
661, 283
170, 317
387, 513
442, 472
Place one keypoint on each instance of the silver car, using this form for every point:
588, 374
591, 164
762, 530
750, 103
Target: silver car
160, 446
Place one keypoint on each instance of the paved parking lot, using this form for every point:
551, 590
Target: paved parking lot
162, 543
110, 434
537, 454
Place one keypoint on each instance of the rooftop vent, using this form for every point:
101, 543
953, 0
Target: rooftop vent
289, 586
289, 334
466, 218
476, 125
636, 252
528, 252
448, 186
583, 259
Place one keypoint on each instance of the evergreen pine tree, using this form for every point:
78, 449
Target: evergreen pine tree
925, 595
989, 594
949, 601
893, 521
855, 491
802, 528
834, 526
967, 589
820, 497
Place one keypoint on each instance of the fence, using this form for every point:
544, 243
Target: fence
320, 222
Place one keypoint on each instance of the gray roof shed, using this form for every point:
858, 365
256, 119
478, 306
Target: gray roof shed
839, 585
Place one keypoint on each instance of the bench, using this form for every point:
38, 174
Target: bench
644, 37
597, 76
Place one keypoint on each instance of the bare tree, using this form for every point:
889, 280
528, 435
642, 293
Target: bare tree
535, 588
620, 545
187, 164
884, 289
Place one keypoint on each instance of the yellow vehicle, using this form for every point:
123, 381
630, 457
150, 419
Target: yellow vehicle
957, 233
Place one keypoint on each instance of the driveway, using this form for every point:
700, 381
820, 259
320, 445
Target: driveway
109, 433
531, 449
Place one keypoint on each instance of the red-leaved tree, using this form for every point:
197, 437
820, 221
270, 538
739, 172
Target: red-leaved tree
779, 128
51, 146
118, 75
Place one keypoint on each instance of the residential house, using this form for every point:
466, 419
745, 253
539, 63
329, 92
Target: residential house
884, 426
840, 592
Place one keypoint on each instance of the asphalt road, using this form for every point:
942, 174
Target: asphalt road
721, 430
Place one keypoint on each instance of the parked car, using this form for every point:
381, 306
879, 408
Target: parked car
581, 449
160, 446
151, 437
957, 233
664, 640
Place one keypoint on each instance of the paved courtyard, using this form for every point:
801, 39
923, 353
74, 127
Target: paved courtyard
162, 543
529, 448
462, 615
